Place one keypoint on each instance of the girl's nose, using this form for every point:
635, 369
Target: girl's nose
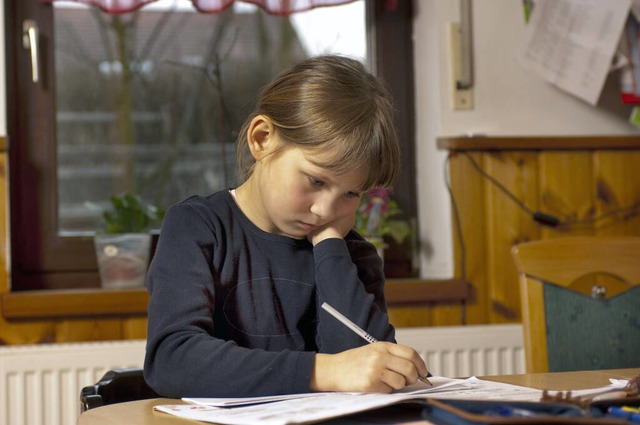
324, 207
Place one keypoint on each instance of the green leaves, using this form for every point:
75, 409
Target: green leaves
130, 214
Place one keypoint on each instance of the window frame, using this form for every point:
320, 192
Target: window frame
43, 260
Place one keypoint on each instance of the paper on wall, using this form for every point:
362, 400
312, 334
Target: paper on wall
571, 43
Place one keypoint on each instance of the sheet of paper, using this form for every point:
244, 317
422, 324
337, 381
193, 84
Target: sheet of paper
571, 43
246, 401
439, 383
322, 406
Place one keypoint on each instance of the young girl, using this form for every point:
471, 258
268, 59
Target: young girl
239, 276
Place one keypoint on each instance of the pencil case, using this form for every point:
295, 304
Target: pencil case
470, 412
616, 409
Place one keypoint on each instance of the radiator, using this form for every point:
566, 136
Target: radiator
459, 351
40, 384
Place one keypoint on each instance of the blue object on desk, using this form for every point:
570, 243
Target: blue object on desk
472, 412
620, 412
511, 412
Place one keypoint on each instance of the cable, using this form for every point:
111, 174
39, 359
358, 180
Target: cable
545, 218
538, 216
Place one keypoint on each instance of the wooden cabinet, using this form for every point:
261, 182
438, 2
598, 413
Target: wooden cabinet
591, 184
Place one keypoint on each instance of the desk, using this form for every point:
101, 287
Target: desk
141, 412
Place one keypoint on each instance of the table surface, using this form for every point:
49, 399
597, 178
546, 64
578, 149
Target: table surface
141, 412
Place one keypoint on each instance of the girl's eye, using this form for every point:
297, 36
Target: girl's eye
315, 182
352, 195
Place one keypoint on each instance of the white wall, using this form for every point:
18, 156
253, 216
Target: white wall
508, 101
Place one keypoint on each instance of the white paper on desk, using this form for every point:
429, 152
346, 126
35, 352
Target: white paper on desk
439, 383
571, 43
295, 411
246, 401
322, 406
477, 389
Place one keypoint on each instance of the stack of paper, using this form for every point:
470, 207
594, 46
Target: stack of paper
315, 407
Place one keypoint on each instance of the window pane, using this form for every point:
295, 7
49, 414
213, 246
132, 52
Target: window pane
151, 102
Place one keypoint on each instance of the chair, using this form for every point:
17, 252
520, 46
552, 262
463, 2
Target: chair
116, 386
580, 303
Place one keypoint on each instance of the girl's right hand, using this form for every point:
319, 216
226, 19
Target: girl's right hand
380, 367
334, 229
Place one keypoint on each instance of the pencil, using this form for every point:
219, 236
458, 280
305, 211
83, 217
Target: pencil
358, 330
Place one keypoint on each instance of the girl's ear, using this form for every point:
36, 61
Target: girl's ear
261, 137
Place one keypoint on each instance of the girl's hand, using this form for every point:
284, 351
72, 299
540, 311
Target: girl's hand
379, 367
334, 229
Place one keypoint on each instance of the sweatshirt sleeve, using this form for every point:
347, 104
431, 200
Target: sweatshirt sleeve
349, 277
183, 358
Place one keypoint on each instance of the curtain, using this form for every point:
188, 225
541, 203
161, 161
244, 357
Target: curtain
273, 7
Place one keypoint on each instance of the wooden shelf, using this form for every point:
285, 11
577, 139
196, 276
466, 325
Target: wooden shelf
74, 303
533, 143
133, 302
419, 292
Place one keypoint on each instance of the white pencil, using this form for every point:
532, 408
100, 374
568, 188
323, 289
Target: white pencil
348, 323
357, 329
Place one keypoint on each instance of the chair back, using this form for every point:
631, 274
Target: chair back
116, 386
580, 300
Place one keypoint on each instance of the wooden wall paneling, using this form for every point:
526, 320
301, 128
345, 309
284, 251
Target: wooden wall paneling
567, 191
134, 328
468, 189
508, 224
409, 317
616, 187
88, 330
22, 333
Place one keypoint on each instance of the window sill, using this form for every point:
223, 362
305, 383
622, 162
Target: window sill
133, 302
74, 303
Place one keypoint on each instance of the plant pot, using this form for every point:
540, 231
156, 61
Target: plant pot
122, 259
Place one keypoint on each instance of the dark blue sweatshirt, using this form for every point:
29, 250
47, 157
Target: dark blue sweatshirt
234, 311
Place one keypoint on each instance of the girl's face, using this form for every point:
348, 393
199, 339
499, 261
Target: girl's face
295, 196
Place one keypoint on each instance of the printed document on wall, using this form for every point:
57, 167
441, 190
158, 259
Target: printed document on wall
571, 43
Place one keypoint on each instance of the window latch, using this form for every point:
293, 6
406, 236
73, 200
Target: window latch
30, 36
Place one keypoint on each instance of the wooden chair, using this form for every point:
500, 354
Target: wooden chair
116, 386
580, 303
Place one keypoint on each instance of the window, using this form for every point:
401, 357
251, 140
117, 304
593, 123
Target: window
159, 121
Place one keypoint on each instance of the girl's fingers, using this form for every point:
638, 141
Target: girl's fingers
409, 354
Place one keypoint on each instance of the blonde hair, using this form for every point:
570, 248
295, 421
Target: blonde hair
331, 104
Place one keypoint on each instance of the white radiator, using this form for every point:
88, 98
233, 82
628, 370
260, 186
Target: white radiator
459, 351
40, 384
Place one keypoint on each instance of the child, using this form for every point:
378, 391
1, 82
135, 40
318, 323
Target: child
239, 276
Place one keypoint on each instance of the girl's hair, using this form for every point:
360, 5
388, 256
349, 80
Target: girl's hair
333, 105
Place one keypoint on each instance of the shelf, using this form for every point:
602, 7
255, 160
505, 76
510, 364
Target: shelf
133, 302
538, 143
74, 303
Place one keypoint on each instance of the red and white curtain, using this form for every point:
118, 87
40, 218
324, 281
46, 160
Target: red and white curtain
273, 7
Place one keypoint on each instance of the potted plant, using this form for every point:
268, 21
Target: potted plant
123, 244
377, 217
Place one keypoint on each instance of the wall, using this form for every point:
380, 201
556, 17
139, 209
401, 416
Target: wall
508, 101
